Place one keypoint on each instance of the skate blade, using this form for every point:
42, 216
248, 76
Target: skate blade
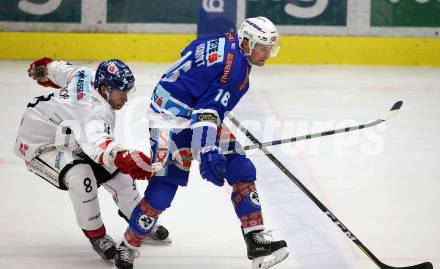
150, 241
270, 260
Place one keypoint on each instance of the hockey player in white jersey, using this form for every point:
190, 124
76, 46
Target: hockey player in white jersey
66, 137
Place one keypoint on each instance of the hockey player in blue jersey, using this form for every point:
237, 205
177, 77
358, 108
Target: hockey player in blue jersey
186, 113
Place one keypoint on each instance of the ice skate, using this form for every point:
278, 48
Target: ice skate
125, 256
105, 247
159, 235
264, 253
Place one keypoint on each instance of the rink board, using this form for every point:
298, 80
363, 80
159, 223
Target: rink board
395, 51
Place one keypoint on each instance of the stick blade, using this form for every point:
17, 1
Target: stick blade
425, 265
392, 111
397, 105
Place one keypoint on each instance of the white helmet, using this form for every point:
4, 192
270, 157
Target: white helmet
259, 30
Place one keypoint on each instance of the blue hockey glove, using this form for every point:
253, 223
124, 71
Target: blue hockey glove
213, 165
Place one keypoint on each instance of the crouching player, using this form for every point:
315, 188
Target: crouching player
67, 138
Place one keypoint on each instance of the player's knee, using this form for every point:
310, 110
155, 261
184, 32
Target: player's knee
240, 169
124, 191
123, 188
159, 194
80, 179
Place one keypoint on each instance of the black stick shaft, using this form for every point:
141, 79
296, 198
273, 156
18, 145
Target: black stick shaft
389, 114
306, 137
321, 206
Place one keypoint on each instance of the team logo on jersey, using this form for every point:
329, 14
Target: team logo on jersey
227, 70
215, 51
112, 68
23, 148
145, 222
183, 156
253, 197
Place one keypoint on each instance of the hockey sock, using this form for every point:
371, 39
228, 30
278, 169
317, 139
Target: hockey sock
142, 220
94, 234
247, 206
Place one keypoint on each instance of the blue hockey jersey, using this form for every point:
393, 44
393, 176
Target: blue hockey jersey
206, 82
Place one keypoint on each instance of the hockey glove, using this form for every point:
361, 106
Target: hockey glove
135, 163
38, 71
213, 165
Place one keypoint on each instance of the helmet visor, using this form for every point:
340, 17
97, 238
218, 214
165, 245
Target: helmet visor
275, 49
268, 49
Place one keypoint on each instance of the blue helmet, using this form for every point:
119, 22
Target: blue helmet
115, 75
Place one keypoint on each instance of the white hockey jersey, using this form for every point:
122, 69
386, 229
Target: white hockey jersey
74, 118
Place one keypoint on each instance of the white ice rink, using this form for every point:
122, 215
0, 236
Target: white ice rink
383, 183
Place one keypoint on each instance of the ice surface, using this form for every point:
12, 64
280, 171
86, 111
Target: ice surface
382, 183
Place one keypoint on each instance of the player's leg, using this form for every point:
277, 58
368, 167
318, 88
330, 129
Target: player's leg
241, 175
67, 171
126, 196
161, 188
160, 191
158, 197
159, 235
83, 191
124, 192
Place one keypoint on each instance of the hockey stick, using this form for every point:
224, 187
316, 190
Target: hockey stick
344, 229
385, 117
